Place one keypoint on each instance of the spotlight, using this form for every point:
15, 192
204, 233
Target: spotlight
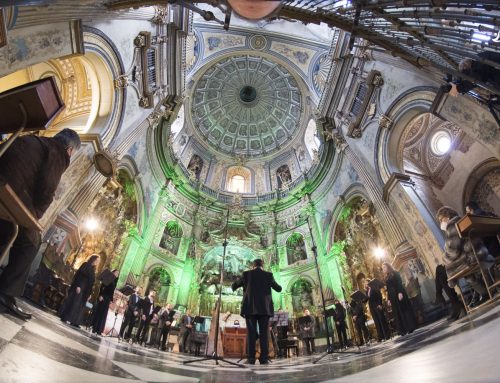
91, 224
379, 252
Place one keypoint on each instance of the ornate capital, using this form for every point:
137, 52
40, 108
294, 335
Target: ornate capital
121, 81
340, 142
385, 122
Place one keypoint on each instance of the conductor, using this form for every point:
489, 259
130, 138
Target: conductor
257, 307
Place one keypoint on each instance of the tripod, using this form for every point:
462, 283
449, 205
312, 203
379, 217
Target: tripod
215, 356
329, 344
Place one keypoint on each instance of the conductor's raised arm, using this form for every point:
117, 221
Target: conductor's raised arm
275, 286
237, 284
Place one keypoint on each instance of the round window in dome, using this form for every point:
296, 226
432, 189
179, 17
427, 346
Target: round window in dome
441, 143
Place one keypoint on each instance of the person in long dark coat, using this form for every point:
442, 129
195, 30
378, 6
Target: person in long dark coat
106, 294
257, 307
71, 310
401, 305
376, 306
340, 323
306, 331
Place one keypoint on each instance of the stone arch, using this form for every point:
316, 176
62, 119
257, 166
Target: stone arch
86, 84
483, 186
162, 287
400, 113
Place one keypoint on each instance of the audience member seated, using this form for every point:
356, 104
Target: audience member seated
33, 167
459, 254
491, 242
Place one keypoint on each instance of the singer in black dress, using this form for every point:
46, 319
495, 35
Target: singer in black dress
81, 287
401, 305
106, 294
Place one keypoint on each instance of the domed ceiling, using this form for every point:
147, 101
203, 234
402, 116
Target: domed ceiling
246, 105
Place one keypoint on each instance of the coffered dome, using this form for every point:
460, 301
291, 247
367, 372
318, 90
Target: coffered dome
246, 105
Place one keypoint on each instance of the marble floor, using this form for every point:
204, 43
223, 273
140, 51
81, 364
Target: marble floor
46, 350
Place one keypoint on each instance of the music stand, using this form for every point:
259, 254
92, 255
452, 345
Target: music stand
215, 356
126, 291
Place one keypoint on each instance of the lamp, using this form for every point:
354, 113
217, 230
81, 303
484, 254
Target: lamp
379, 252
90, 225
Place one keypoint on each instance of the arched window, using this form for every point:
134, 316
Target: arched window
237, 184
311, 139
178, 124
238, 180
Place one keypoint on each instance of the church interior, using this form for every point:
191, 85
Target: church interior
320, 136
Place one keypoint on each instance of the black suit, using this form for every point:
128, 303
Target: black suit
145, 309
376, 306
257, 307
185, 334
129, 318
165, 317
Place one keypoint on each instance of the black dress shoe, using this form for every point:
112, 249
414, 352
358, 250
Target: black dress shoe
10, 304
250, 362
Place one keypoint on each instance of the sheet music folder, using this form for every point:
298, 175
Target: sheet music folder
281, 319
376, 284
358, 296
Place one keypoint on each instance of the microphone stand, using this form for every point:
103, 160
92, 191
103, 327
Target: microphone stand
215, 356
329, 344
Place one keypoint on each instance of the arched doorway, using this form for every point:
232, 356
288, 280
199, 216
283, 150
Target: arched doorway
302, 296
160, 281
357, 237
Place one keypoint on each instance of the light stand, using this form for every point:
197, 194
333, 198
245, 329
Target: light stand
329, 345
215, 356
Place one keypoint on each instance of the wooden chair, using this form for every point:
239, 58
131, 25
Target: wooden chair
12, 209
38, 103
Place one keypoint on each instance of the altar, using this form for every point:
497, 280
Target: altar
234, 342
